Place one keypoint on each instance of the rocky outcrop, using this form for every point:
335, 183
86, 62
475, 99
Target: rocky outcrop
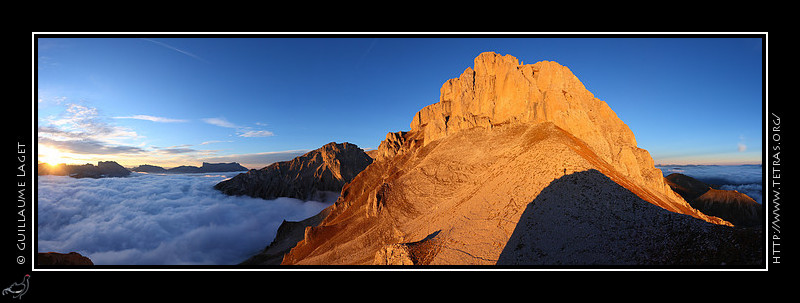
101, 170
308, 177
373, 153
687, 187
453, 190
287, 236
391, 146
54, 258
731, 205
187, 169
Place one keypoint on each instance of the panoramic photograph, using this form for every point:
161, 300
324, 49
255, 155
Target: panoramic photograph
382, 151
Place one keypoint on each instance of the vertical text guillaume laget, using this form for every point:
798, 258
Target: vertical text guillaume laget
21, 200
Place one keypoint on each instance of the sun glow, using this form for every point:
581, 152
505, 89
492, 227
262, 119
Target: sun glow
53, 156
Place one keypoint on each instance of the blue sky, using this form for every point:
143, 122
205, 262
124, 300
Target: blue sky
172, 101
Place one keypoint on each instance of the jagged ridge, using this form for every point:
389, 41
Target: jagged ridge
307, 177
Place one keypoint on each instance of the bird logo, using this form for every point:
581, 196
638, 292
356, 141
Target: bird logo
17, 289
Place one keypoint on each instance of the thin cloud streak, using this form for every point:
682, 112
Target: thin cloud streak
175, 49
243, 131
153, 119
221, 122
257, 133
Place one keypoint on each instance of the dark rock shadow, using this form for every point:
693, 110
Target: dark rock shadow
423, 251
586, 219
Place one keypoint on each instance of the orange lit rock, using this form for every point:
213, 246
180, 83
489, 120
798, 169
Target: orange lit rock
454, 188
54, 258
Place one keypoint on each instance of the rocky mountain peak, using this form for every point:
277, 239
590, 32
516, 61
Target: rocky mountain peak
498, 90
505, 144
312, 176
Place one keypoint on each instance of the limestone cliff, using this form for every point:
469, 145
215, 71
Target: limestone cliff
454, 188
307, 177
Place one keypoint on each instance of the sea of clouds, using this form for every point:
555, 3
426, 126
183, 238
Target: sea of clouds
153, 219
746, 179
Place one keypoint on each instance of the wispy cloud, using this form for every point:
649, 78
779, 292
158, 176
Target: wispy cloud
741, 147
80, 130
175, 49
213, 141
243, 131
84, 122
257, 133
177, 150
89, 147
152, 118
220, 122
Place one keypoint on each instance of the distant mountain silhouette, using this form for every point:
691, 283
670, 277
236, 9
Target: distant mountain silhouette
185, 169
101, 170
146, 168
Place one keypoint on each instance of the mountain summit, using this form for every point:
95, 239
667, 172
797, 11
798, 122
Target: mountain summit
307, 177
485, 166
500, 91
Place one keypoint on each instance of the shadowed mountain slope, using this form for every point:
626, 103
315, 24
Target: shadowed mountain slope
585, 218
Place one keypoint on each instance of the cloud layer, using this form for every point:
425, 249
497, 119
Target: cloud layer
150, 219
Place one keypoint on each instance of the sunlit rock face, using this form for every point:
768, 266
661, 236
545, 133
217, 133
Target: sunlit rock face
452, 190
499, 90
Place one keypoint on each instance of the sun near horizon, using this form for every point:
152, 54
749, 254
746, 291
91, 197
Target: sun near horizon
55, 157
